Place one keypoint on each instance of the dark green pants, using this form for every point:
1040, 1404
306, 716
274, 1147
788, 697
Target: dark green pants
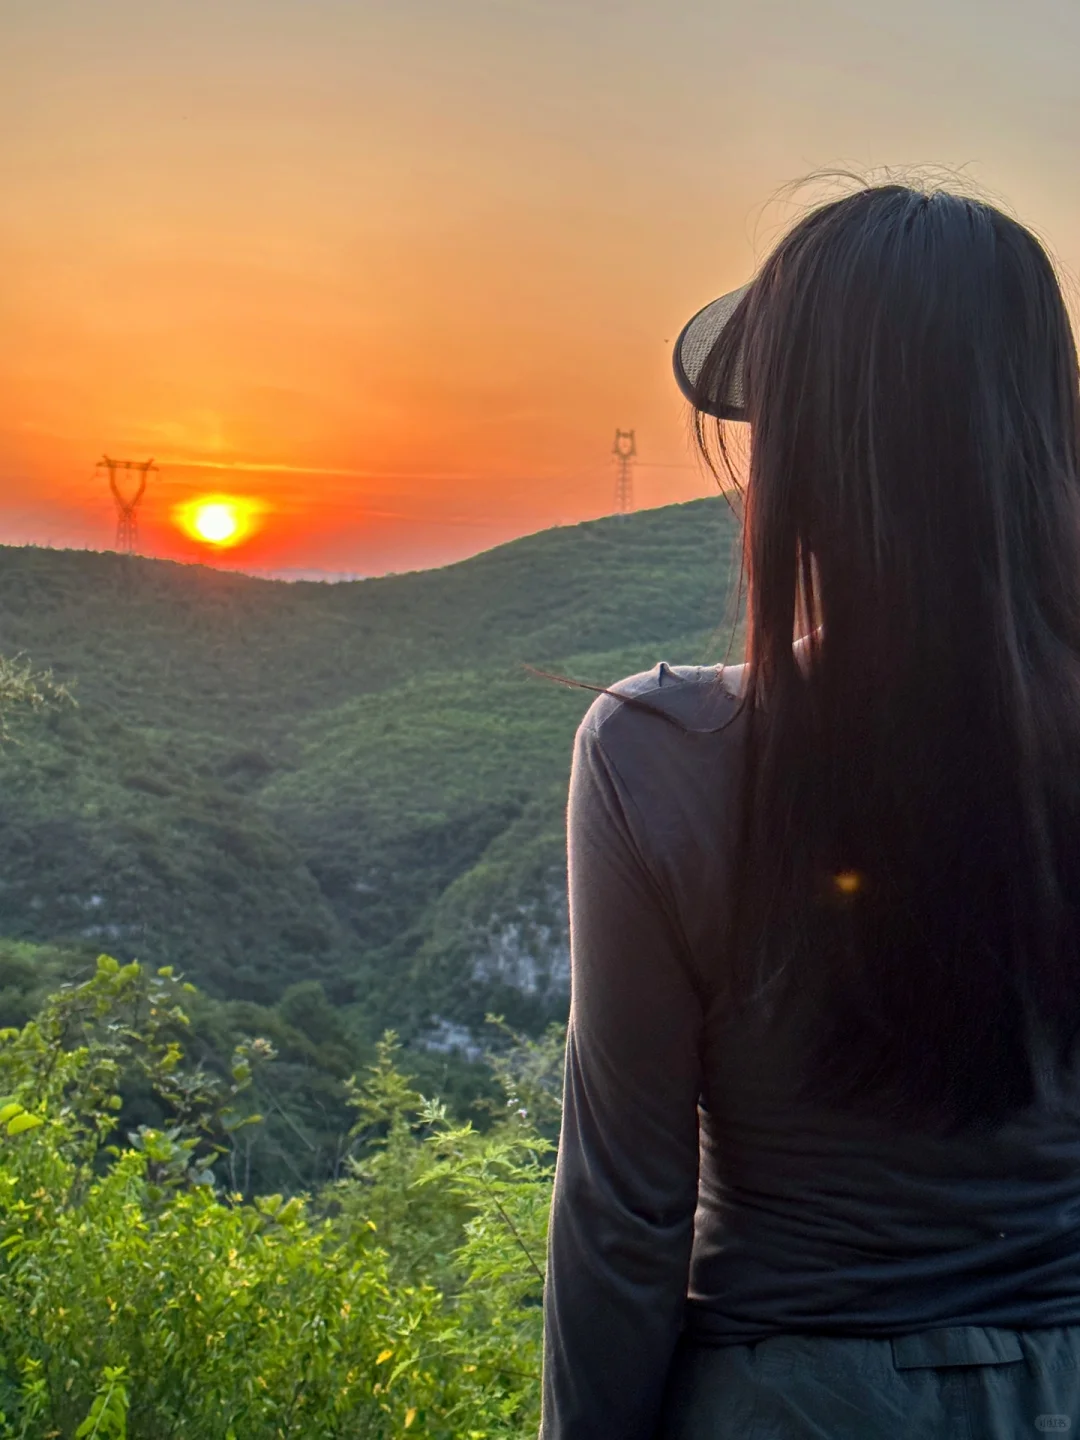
966, 1383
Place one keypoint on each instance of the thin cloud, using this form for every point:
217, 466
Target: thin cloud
278, 467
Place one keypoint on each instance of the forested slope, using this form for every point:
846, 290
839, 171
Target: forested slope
266, 783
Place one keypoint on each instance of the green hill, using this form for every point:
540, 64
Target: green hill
267, 783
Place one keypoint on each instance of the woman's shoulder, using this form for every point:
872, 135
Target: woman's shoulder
693, 698
668, 741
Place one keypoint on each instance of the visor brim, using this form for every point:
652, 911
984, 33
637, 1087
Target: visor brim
692, 349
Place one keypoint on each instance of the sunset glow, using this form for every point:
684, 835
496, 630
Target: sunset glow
402, 270
220, 521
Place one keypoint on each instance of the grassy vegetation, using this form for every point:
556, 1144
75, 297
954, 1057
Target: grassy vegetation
334, 807
230, 1213
142, 1297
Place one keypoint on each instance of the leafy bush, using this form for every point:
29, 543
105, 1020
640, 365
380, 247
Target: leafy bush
140, 1297
24, 688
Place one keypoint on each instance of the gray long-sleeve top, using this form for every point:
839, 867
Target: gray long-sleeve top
693, 1192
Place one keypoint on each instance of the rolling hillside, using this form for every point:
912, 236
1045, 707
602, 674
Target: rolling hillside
265, 783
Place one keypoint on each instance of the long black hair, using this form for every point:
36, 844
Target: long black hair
908, 877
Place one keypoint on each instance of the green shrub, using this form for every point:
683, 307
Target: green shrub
140, 1298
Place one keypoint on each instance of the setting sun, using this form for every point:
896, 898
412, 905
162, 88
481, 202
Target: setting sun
217, 523
219, 520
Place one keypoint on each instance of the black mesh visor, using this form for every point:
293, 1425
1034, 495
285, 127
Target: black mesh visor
697, 338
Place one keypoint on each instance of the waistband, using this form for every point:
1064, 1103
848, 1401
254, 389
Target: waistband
1043, 1351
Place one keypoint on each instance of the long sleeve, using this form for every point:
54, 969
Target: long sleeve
626, 1177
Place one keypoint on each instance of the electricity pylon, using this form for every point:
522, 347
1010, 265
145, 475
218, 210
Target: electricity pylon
127, 505
624, 451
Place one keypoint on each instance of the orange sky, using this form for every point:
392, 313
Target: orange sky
398, 268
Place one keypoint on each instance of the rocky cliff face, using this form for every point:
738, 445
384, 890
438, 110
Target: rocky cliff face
529, 951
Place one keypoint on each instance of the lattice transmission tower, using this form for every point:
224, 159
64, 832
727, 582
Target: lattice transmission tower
624, 451
127, 496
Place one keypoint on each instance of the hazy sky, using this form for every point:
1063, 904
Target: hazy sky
396, 269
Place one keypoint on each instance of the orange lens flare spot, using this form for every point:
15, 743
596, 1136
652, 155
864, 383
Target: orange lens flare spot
848, 882
219, 521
